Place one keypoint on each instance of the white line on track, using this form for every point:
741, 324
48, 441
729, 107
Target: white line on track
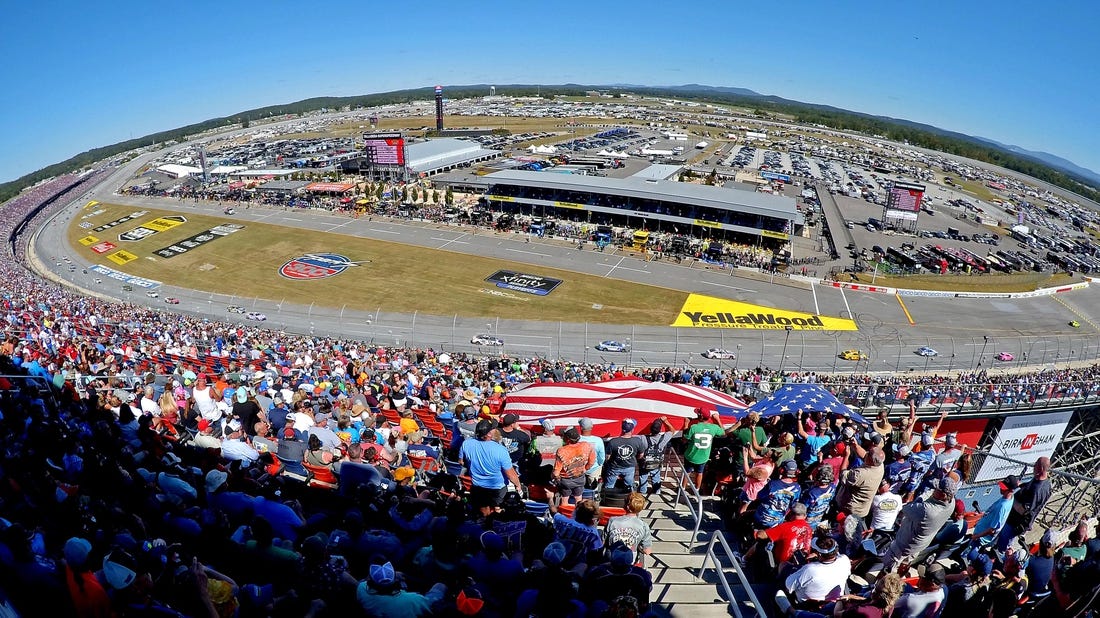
846, 307
529, 252
290, 219
336, 227
732, 287
813, 288
454, 240
621, 260
374, 229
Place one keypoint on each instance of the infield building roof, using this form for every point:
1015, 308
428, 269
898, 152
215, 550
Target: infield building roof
667, 190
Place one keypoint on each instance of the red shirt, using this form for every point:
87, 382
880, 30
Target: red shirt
789, 537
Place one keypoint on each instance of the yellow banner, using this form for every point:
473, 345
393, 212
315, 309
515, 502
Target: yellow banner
708, 312
500, 198
771, 234
90, 204
88, 241
161, 224
122, 257
569, 205
707, 223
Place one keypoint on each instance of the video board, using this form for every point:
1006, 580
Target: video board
384, 148
904, 196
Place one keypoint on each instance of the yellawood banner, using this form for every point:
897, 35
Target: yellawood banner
707, 312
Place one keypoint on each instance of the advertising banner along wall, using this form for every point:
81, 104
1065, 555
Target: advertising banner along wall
707, 312
1024, 439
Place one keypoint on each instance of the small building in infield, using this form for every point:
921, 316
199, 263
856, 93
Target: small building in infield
654, 205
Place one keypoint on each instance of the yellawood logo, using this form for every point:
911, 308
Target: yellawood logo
706, 312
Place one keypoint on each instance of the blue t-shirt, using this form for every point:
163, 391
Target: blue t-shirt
817, 500
774, 501
486, 461
814, 444
921, 463
898, 473
994, 517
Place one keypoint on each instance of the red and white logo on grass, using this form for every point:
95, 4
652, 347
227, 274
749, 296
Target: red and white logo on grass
317, 266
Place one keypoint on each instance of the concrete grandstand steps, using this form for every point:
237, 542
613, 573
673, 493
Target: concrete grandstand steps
681, 589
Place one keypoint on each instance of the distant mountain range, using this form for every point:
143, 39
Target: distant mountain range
1044, 158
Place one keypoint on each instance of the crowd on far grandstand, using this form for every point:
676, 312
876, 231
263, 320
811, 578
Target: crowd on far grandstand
160, 465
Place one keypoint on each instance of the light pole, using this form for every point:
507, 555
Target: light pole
737, 358
981, 357
783, 356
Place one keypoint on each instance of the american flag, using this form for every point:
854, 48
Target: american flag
790, 398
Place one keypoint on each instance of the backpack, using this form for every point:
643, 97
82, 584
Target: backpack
654, 456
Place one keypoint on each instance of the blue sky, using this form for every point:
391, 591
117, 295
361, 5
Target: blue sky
80, 75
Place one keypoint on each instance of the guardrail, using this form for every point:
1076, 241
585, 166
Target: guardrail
692, 492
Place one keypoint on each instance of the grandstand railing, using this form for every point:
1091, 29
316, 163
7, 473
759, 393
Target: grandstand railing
687, 490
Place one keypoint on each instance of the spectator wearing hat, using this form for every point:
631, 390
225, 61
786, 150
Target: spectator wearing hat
921, 463
748, 433
897, 472
516, 440
818, 498
548, 443
653, 459
1040, 568
489, 467
570, 463
593, 474
955, 529
814, 443
618, 577
381, 594
623, 453
205, 438
792, 536
949, 456
235, 446
89, 599
777, 497
246, 409
821, 580
928, 597
968, 592
1010, 583
700, 441
986, 529
498, 574
918, 524
1027, 503
552, 589
321, 428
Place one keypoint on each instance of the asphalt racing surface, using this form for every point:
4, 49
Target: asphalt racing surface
967, 333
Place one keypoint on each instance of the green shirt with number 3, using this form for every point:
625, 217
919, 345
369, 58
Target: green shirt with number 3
700, 439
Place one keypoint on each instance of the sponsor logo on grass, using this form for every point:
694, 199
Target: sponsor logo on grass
94, 213
88, 241
117, 275
159, 224
104, 247
530, 284
316, 266
85, 225
130, 217
122, 257
198, 240
706, 312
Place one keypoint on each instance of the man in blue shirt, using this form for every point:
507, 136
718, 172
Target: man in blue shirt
777, 497
987, 528
489, 464
814, 443
899, 470
920, 464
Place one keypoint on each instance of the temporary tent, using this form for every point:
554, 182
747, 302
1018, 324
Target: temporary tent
607, 403
790, 398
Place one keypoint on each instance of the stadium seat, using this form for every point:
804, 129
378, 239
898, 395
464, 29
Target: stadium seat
321, 476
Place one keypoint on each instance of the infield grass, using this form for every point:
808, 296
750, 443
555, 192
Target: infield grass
398, 277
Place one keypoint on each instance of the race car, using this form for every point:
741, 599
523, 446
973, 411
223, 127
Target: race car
153, 294
235, 309
612, 346
486, 340
1004, 356
172, 300
1075, 324
719, 353
853, 355
927, 351
256, 315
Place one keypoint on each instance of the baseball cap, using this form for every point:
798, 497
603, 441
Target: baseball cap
960, 508
403, 473
947, 485
1047, 539
789, 469
927, 439
1010, 483
510, 419
492, 541
935, 574
621, 555
382, 574
215, 479
469, 601
586, 423
118, 569
242, 395
290, 417
76, 551
798, 508
628, 424
204, 424
554, 553
484, 426
547, 425
903, 450
571, 435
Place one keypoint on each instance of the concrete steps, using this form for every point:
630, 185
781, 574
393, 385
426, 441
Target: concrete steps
681, 588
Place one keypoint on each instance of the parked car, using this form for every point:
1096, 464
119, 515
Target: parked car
612, 346
486, 340
719, 353
1004, 356
853, 355
927, 351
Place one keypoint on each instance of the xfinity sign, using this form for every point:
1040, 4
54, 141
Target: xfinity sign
530, 284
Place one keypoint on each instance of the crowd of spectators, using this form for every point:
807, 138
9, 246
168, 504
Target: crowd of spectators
153, 461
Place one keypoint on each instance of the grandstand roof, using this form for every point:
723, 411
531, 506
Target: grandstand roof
701, 195
443, 152
659, 171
